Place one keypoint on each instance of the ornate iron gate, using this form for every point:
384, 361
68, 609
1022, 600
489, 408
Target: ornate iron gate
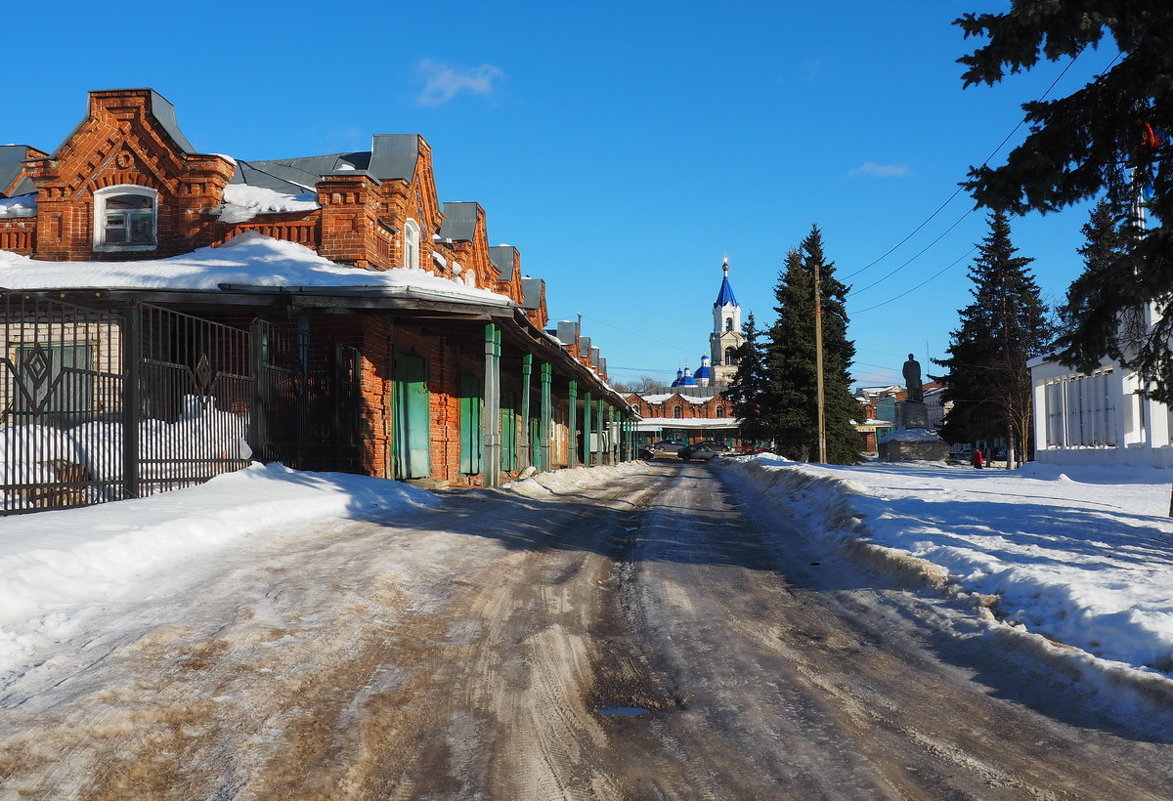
99, 405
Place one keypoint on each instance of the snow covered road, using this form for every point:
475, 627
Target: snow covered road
467, 646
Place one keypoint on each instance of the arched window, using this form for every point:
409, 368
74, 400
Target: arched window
728, 323
720, 411
125, 218
677, 412
411, 245
730, 355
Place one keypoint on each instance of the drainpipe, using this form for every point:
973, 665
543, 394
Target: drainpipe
572, 425
492, 417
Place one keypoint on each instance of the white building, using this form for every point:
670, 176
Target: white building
1104, 417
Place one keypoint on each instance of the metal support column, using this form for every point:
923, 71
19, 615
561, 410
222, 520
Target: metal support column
492, 416
527, 366
544, 433
586, 429
600, 426
132, 327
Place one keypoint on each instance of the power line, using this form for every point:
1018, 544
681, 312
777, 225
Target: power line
950, 266
884, 278
959, 189
636, 334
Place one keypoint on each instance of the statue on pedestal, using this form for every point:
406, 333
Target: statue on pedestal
916, 392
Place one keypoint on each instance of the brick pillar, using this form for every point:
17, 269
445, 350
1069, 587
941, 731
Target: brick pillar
349, 201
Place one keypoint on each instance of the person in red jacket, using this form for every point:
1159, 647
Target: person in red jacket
977, 459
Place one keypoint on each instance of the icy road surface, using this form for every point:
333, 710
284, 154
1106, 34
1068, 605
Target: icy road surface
393, 660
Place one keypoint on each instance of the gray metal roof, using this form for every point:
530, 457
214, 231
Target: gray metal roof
298, 175
11, 158
394, 155
460, 221
531, 292
502, 257
164, 112
567, 332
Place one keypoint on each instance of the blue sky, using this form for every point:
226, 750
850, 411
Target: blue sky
625, 148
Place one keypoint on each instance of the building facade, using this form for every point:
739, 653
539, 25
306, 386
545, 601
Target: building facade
457, 388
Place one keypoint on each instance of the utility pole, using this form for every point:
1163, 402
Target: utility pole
819, 366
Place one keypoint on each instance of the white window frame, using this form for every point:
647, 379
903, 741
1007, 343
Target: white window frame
411, 244
100, 198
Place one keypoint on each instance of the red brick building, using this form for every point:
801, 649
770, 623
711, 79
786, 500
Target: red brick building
457, 388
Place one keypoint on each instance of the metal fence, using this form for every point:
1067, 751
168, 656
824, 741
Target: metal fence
103, 404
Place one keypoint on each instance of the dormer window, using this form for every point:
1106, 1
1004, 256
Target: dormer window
125, 218
411, 245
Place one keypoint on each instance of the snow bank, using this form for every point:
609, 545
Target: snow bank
1081, 556
56, 565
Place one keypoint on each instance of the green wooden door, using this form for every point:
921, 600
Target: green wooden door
535, 443
412, 437
472, 411
509, 431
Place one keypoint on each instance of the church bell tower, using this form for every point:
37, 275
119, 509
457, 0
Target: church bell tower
726, 337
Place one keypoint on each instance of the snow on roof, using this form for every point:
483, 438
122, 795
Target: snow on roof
249, 260
242, 202
657, 399
652, 423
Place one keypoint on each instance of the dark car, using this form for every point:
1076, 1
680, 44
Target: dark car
702, 451
647, 452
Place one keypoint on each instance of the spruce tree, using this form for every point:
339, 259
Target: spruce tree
746, 390
1005, 325
790, 389
1090, 313
1112, 137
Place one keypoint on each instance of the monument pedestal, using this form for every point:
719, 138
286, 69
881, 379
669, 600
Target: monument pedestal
912, 441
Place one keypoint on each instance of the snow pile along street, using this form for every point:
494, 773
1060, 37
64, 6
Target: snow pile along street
58, 568
1081, 556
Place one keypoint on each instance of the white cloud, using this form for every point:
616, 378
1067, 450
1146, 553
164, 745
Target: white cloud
882, 170
442, 82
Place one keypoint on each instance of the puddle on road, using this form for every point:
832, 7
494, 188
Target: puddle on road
622, 711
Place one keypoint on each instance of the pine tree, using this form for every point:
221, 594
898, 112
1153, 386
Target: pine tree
1111, 137
746, 390
1006, 324
790, 389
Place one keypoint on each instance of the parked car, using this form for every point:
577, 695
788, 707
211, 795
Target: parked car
701, 450
647, 452
669, 446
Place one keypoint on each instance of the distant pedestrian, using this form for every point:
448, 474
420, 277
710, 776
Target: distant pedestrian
977, 459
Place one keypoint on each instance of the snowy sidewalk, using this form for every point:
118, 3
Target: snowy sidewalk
1082, 556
